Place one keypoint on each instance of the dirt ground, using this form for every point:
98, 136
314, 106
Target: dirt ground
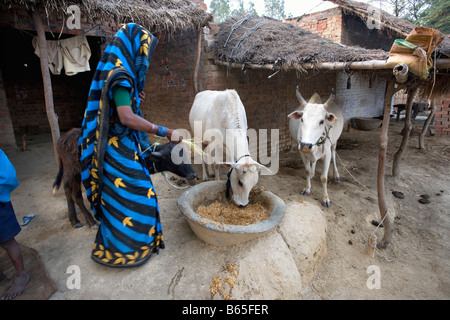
416, 264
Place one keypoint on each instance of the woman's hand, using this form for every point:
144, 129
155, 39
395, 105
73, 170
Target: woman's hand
142, 95
174, 136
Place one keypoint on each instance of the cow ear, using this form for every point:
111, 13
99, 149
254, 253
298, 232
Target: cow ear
331, 117
295, 115
229, 164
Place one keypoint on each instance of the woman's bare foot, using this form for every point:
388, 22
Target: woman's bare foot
18, 286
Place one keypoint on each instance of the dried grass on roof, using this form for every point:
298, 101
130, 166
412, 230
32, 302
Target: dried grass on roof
392, 23
256, 40
155, 15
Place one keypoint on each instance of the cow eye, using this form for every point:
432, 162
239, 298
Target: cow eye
321, 122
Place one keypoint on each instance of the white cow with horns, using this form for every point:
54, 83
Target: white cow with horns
317, 127
219, 116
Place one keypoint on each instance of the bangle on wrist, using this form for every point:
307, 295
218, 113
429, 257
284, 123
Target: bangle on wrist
162, 131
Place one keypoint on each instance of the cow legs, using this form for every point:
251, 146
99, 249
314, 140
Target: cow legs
308, 174
216, 171
335, 169
323, 178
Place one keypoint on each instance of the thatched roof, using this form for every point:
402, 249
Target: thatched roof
400, 27
155, 15
263, 41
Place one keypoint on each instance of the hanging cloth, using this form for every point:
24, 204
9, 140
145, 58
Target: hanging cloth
76, 53
72, 53
55, 58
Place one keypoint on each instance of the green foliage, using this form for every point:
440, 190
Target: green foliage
222, 9
274, 9
436, 16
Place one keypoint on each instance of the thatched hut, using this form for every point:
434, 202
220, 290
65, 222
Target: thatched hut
33, 100
364, 78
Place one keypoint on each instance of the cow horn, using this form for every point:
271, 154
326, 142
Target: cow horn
330, 99
300, 99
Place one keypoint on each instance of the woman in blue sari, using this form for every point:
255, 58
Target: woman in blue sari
113, 146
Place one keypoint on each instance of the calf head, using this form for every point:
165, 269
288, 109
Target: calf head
242, 177
314, 119
161, 160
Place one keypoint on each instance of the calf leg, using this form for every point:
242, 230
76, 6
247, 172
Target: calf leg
71, 205
78, 199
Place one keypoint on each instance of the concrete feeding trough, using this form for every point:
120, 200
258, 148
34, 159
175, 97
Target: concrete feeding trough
221, 234
366, 124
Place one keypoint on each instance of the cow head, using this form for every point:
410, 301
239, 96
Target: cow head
161, 160
242, 177
314, 119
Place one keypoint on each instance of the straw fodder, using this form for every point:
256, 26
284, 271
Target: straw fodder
155, 15
255, 40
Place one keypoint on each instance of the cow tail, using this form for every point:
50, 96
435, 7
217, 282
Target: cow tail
59, 176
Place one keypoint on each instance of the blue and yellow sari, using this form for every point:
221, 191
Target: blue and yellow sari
117, 182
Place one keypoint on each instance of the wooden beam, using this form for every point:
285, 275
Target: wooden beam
48, 91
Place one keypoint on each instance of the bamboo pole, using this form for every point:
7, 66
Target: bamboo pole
48, 91
406, 131
357, 65
390, 90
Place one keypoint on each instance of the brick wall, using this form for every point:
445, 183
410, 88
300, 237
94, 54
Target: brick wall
24, 88
327, 23
364, 98
7, 139
170, 88
442, 116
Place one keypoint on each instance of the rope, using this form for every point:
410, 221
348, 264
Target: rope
247, 34
236, 26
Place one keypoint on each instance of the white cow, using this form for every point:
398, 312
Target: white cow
317, 127
220, 115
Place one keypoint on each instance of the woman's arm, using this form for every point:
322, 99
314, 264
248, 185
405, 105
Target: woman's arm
130, 119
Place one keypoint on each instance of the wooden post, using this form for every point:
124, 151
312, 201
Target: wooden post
406, 131
427, 123
197, 59
372, 245
382, 162
48, 92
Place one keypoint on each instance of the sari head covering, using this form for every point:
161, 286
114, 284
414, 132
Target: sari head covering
125, 63
113, 170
